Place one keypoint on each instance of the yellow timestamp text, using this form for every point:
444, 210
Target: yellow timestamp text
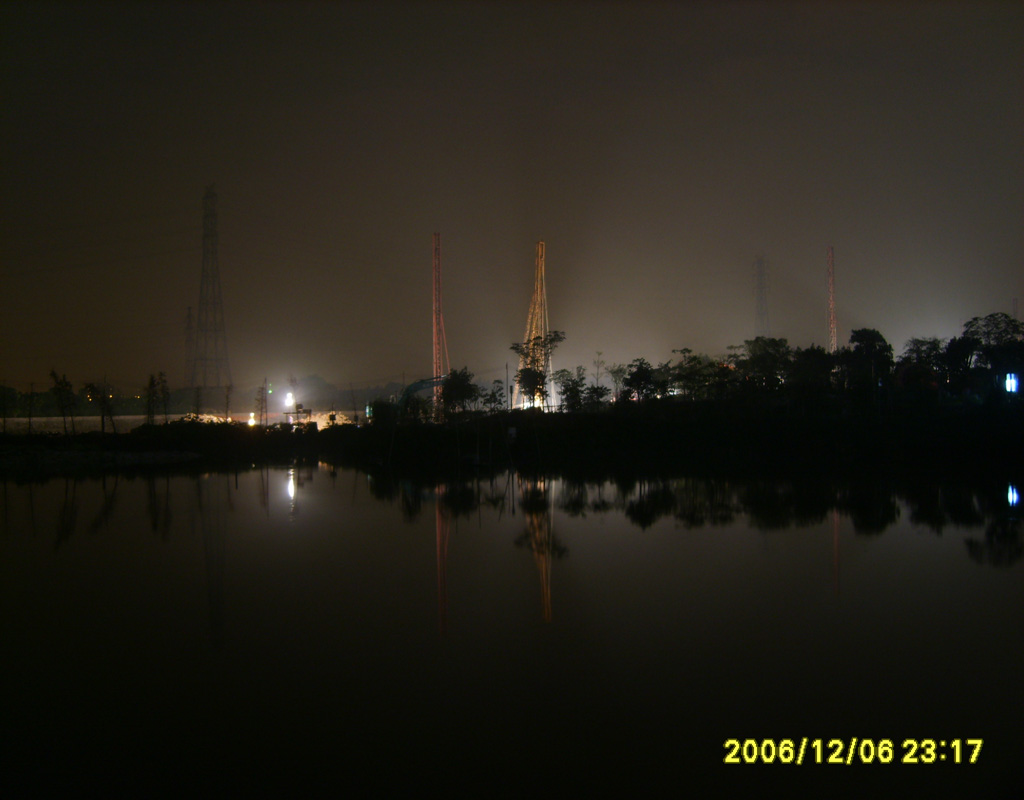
852, 751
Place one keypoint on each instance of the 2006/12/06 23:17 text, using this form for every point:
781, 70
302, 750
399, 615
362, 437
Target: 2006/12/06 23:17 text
851, 751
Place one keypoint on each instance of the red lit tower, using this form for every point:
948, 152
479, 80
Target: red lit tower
441, 363
833, 344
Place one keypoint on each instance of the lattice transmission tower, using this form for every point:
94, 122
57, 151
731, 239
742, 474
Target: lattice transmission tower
761, 292
190, 346
442, 366
210, 352
833, 343
537, 330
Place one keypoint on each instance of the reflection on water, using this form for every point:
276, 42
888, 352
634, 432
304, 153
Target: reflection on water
213, 502
205, 619
538, 536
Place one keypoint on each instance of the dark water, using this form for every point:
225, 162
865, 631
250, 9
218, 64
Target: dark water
305, 632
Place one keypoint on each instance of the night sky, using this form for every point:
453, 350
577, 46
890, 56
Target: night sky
657, 149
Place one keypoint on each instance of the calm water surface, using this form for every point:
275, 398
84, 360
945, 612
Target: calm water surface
313, 631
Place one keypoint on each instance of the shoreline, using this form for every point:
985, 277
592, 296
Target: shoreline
656, 439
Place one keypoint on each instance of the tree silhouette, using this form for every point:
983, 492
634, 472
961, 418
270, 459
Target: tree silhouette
571, 387
921, 367
535, 356
1000, 342
101, 394
151, 393
494, 400
640, 382
164, 393
765, 362
65, 397
868, 362
458, 391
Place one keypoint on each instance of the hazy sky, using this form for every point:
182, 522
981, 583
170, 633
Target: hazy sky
657, 149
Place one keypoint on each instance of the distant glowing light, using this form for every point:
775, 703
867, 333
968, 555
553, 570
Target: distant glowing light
1011, 495
289, 400
1011, 382
252, 418
291, 484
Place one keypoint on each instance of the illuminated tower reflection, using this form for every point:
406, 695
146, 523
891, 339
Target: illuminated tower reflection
536, 504
441, 521
213, 498
297, 478
835, 550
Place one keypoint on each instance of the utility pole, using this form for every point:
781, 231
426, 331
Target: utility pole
833, 344
210, 359
190, 346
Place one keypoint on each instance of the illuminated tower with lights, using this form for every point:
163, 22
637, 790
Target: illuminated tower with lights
833, 344
761, 291
441, 364
210, 353
537, 330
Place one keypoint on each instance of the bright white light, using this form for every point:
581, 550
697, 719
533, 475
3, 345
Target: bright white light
289, 401
291, 484
1011, 495
252, 418
1011, 383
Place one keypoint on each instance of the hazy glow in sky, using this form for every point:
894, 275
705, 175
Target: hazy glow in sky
657, 149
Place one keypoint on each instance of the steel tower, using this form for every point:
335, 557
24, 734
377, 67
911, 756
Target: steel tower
832, 342
537, 329
442, 366
210, 355
761, 291
190, 346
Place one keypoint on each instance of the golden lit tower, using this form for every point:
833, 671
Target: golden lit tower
441, 363
210, 351
537, 330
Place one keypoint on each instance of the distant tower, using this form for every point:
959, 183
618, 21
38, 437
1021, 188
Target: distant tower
190, 346
210, 356
761, 291
536, 326
832, 342
441, 364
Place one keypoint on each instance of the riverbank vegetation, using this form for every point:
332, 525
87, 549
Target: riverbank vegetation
763, 406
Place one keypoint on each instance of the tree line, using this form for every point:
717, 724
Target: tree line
929, 369
972, 366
